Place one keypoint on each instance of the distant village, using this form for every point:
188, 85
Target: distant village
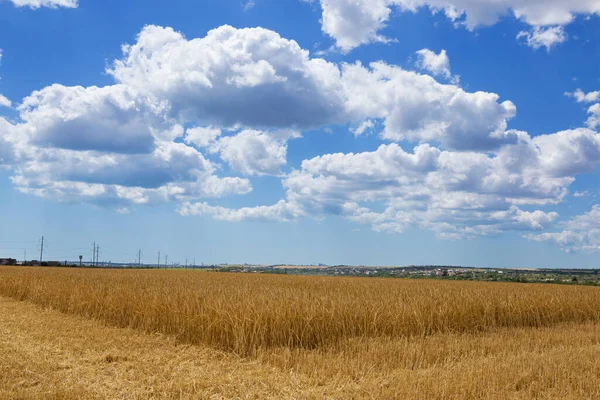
532, 275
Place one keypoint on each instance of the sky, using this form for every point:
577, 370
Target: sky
363, 132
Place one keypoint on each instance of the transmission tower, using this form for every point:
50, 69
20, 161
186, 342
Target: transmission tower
42, 251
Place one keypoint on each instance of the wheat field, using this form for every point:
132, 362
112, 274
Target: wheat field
324, 337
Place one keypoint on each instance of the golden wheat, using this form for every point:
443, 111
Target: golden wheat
301, 337
245, 313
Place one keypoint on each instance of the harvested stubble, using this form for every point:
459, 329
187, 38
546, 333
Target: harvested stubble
247, 313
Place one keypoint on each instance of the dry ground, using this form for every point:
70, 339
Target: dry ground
545, 352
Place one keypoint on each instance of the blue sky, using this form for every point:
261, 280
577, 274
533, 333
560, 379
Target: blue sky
381, 132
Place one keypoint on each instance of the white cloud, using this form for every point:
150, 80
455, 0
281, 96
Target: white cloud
4, 102
437, 64
583, 97
415, 107
256, 79
112, 118
117, 143
245, 93
253, 152
455, 194
202, 136
7, 152
581, 233
593, 111
517, 175
593, 120
250, 77
281, 211
568, 152
354, 22
107, 145
547, 37
581, 194
364, 126
173, 171
46, 3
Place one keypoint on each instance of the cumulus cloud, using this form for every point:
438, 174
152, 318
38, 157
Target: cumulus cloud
7, 155
437, 64
250, 77
118, 140
455, 194
365, 126
202, 136
46, 3
4, 102
416, 107
112, 118
281, 211
242, 94
256, 79
172, 171
111, 144
354, 22
580, 233
547, 37
593, 111
568, 152
593, 120
253, 152
583, 97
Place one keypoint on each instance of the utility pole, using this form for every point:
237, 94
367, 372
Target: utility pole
42, 251
24, 256
158, 264
139, 257
97, 255
94, 255
167, 260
